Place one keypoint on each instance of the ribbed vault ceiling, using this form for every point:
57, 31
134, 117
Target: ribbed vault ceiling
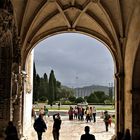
103, 19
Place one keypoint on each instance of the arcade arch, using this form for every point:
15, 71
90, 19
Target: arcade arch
114, 22
28, 68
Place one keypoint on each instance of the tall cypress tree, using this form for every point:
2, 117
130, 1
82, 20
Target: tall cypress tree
52, 87
37, 86
34, 84
46, 85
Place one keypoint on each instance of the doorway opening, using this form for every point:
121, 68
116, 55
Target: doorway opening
83, 68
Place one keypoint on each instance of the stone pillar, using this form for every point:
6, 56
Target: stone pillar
9, 58
17, 106
5, 67
119, 102
135, 114
28, 96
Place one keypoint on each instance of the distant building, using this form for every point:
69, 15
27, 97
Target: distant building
86, 91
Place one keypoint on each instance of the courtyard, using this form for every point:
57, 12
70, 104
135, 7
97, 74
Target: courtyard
72, 129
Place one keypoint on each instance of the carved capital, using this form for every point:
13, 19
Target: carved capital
122, 40
119, 75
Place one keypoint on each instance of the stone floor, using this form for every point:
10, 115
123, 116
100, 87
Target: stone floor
72, 130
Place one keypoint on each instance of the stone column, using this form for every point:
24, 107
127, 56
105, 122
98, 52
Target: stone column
17, 95
119, 102
5, 67
17, 106
135, 114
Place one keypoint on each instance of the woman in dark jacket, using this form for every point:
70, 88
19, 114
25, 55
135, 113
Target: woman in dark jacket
40, 126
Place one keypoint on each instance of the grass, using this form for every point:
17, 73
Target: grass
67, 108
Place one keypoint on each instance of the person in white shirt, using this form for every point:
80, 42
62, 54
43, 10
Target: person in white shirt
94, 114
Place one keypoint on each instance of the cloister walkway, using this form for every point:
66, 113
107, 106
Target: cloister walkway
72, 130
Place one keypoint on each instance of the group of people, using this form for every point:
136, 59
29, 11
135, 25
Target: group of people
90, 114
44, 111
79, 113
40, 123
40, 126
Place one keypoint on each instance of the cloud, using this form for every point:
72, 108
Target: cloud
76, 59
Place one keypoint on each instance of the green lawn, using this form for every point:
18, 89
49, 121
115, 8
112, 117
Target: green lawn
64, 108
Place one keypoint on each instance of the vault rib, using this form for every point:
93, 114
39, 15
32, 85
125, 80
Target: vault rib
59, 6
86, 5
111, 24
52, 15
100, 24
121, 19
33, 19
23, 16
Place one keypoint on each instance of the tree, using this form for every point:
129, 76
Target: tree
79, 100
92, 98
72, 98
37, 86
52, 87
34, 84
101, 96
45, 85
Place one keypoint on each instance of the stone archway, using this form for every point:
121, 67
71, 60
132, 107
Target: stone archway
114, 22
26, 66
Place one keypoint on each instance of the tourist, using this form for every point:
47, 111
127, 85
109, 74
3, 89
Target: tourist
110, 120
83, 112
40, 126
75, 112
59, 105
87, 112
46, 113
94, 114
87, 136
11, 132
106, 120
71, 112
51, 105
56, 126
33, 113
79, 113
91, 112
41, 111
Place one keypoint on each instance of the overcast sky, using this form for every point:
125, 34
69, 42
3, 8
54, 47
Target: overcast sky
77, 60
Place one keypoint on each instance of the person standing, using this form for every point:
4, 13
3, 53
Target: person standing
56, 126
75, 112
88, 117
33, 113
106, 120
87, 136
40, 126
71, 112
59, 105
94, 114
11, 132
110, 120
46, 113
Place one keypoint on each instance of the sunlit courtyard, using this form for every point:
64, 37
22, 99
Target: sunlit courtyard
73, 129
